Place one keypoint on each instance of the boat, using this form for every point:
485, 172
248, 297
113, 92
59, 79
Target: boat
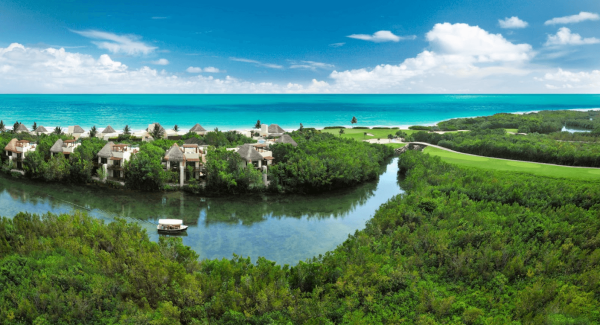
171, 226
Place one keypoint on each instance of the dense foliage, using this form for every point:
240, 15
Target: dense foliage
322, 161
462, 246
229, 139
532, 147
541, 122
144, 171
224, 174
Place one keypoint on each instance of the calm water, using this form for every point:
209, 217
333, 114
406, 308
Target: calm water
285, 229
242, 111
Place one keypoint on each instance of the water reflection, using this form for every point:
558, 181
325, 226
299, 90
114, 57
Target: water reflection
282, 228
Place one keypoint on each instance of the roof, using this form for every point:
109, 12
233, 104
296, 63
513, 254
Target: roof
22, 128
190, 145
69, 141
115, 158
248, 153
109, 129
197, 128
269, 158
77, 129
171, 222
175, 154
193, 141
57, 146
274, 128
162, 130
23, 141
286, 138
12, 145
106, 151
41, 129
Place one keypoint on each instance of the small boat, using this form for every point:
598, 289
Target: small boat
171, 226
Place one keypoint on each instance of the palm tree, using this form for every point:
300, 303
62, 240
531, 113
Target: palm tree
257, 125
2, 126
93, 132
126, 130
301, 127
58, 130
156, 133
16, 126
354, 121
34, 126
365, 135
341, 132
175, 128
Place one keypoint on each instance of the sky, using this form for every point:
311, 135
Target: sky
461, 46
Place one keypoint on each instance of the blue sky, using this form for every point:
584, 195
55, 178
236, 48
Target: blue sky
309, 47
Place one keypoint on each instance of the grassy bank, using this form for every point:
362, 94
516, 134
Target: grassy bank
359, 134
514, 166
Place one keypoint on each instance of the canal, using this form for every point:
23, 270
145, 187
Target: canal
282, 228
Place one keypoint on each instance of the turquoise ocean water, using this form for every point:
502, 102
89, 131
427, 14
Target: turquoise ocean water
242, 111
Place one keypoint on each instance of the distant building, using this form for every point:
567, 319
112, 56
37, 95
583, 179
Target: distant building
286, 138
67, 147
40, 130
17, 150
112, 158
255, 155
163, 132
75, 131
181, 160
272, 130
198, 129
22, 128
108, 133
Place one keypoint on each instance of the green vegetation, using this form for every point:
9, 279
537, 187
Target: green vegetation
531, 147
515, 166
541, 122
359, 134
463, 245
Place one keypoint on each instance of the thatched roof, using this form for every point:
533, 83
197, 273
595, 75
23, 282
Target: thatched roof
77, 129
106, 151
108, 129
175, 154
162, 130
57, 146
22, 128
41, 129
248, 153
286, 139
274, 128
197, 128
12, 145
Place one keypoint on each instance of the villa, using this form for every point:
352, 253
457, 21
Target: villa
22, 128
198, 129
75, 131
108, 132
163, 132
286, 138
255, 155
67, 147
17, 150
272, 130
40, 130
112, 158
190, 157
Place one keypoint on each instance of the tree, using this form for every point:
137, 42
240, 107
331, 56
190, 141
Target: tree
390, 136
301, 127
127, 131
58, 130
93, 132
2, 126
156, 133
15, 126
365, 135
341, 132
175, 128
34, 126
257, 125
354, 121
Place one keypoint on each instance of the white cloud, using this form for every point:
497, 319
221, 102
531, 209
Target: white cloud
207, 69
512, 22
311, 65
160, 62
563, 79
582, 16
258, 63
127, 44
337, 44
565, 37
381, 36
158, 17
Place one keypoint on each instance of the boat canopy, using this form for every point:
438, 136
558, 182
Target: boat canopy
170, 222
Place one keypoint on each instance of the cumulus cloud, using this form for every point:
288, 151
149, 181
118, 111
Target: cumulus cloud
310, 65
337, 44
565, 37
381, 36
127, 44
512, 22
582, 16
564, 79
458, 51
207, 69
161, 62
258, 63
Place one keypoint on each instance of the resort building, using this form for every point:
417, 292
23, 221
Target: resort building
286, 138
191, 157
198, 129
40, 130
22, 128
75, 131
163, 132
272, 130
255, 155
67, 147
17, 150
112, 158
108, 133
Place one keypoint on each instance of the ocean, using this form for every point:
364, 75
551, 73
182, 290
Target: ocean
242, 111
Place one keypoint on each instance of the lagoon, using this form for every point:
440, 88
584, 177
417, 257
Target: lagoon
282, 228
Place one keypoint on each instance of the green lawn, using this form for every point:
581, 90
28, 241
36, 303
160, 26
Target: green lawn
527, 167
358, 134
395, 145
512, 130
